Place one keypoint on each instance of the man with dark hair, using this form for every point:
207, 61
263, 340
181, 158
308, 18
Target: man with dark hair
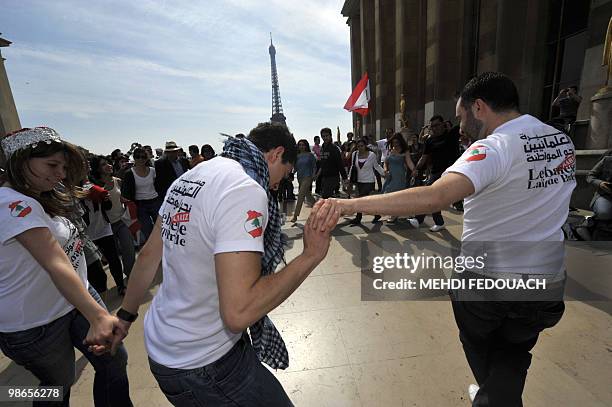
207, 152
196, 157
517, 180
568, 102
219, 238
349, 140
440, 152
331, 167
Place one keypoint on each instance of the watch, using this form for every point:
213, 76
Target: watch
126, 316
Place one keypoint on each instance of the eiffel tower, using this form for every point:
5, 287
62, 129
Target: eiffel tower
277, 107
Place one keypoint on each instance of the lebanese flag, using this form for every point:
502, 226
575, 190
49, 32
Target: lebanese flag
359, 100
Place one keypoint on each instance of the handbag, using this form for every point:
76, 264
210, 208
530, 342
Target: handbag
354, 174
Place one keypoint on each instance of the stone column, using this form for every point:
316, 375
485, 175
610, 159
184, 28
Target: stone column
368, 61
600, 129
386, 101
410, 45
9, 120
354, 23
445, 70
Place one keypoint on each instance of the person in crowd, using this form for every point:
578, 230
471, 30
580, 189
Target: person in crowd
349, 141
138, 186
207, 152
196, 157
123, 165
306, 167
159, 152
219, 277
330, 165
347, 153
568, 102
398, 167
47, 307
600, 176
115, 156
316, 149
169, 168
373, 147
364, 162
440, 152
149, 151
102, 175
100, 232
493, 178
384, 145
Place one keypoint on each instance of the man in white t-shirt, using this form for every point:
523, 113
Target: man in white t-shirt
218, 239
516, 181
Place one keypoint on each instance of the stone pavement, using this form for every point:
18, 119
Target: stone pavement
346, 352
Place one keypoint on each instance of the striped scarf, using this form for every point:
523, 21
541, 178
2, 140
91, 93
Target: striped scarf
267, 341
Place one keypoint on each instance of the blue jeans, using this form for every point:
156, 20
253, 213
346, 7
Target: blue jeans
147, 215
48, 352
237, 379
602, 207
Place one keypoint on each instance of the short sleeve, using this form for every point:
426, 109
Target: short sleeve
240, 219
18, 214
483, 163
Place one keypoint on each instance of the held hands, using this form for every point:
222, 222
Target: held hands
105, 334
326, 212
317, 239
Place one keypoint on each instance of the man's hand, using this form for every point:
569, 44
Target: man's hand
121, 331
325, 213
606, 187
317, 240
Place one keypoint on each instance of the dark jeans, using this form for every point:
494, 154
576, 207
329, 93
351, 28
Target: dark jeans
48, 352
237, 379
329, 185
497, 338
147, 215
363, 189
97, 276
108, 247
125, 241
437, 217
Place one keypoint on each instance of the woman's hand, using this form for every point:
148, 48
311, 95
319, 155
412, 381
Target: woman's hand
100, 334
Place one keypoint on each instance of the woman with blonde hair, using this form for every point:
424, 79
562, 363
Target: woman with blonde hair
47, 308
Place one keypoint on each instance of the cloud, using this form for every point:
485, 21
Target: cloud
112, 71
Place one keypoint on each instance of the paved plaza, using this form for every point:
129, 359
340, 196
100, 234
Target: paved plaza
348, 352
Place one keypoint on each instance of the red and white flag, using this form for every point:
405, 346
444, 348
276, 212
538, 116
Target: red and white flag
359, 100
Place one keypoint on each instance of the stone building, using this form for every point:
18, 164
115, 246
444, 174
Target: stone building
428, 49
9, 120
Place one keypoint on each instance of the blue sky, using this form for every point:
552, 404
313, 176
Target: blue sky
106, 73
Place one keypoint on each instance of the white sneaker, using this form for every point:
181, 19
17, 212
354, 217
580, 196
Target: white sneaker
415, 223
437, 228
472, 390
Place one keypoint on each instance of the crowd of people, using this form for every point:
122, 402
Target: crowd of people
214, 225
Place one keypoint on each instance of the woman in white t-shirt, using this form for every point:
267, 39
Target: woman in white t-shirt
45, 307
364, 162
139, 186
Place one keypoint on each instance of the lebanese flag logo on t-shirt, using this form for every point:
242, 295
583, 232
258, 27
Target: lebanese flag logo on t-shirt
20, 209
253, 224
476, 153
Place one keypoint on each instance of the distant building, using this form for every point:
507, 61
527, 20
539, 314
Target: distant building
9, 120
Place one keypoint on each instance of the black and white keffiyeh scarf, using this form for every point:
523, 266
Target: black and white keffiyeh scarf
267, 341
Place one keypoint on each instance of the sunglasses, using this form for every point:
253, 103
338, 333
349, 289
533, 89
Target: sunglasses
139, 156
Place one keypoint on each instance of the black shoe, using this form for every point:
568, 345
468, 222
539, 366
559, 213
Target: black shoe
355, 222
376, 219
